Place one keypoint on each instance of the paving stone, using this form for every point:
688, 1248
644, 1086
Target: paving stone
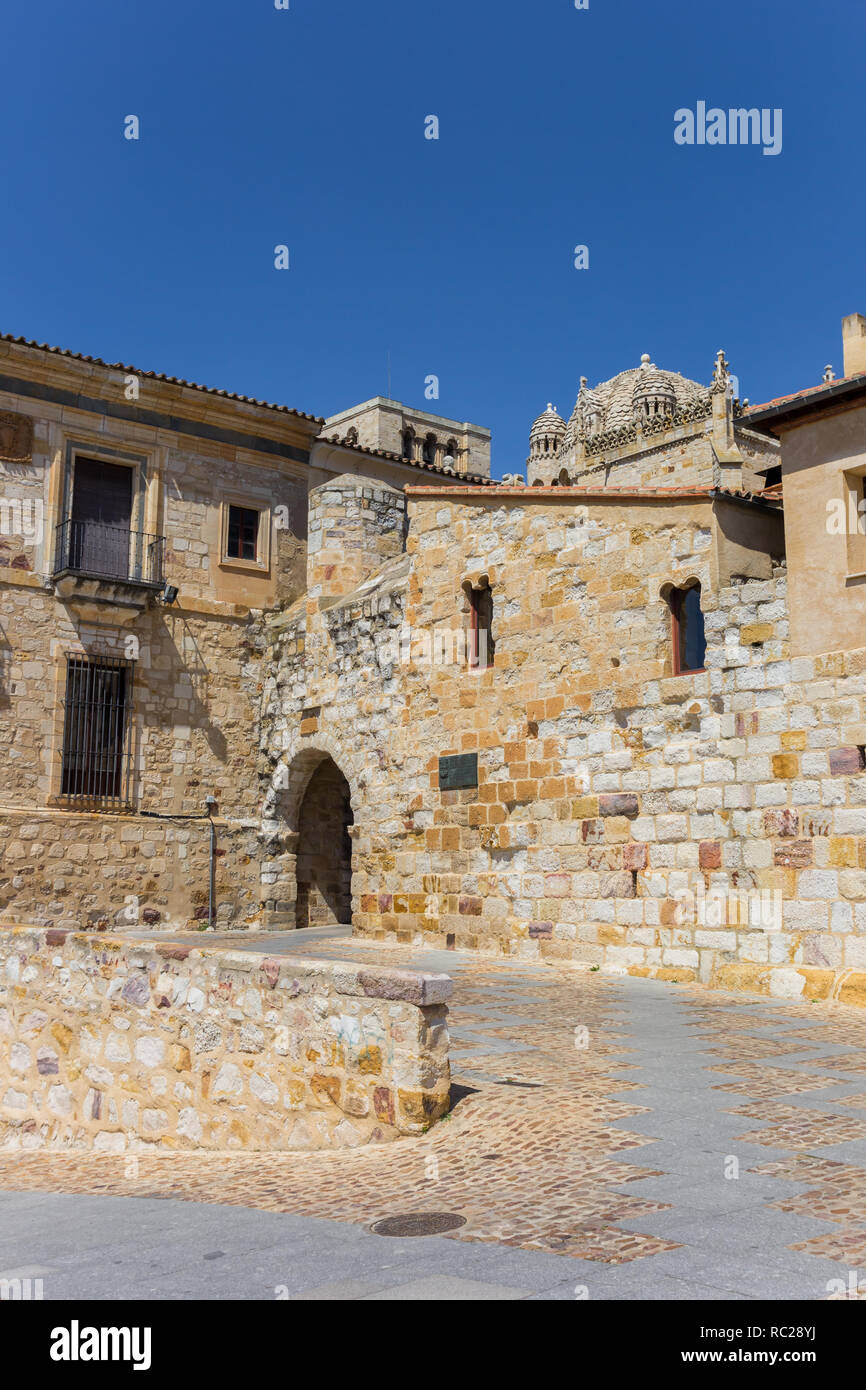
606, 1174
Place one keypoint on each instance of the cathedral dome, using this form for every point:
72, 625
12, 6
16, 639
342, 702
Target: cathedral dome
653, 393
546, 434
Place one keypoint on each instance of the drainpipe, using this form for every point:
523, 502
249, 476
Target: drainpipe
210, 802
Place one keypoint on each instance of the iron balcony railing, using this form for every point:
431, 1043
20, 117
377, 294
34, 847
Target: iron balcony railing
109, 552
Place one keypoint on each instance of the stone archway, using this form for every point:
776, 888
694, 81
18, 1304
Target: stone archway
324, 854
307, 830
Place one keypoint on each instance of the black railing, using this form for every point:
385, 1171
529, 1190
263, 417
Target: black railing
109, 552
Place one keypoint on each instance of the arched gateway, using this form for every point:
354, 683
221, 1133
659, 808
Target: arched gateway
313, 874
324, 865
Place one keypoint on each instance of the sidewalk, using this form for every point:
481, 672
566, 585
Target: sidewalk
611, 1138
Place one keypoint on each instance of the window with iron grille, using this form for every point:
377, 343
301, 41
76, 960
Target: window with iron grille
242, 542
96, 732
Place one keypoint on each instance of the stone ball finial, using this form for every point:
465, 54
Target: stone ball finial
645, 359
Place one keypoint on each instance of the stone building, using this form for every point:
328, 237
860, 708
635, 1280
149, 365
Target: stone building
649, 427
146, 525
614, 714
579, 718
390, 426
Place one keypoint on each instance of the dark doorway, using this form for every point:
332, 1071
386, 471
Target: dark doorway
324, 866
101, 518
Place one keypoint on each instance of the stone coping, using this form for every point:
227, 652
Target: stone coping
344, 977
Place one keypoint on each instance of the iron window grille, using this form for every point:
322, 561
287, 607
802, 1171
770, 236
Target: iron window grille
97, 754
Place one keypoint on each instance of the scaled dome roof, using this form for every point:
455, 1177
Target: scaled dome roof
549, 422
621, 400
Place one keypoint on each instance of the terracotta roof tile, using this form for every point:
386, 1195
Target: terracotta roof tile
159, 376
476, 479
808, 393
598, 494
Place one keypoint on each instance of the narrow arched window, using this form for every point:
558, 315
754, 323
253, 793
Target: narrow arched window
428, 450
687, 625
408, 444
481, 628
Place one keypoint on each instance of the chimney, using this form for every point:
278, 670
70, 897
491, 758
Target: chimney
854, 344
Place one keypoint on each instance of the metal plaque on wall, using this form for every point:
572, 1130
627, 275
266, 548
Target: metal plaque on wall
458, 772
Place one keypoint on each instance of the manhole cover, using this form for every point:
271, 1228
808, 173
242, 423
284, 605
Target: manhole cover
419, 1223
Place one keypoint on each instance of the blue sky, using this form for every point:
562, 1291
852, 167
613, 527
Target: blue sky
305, 127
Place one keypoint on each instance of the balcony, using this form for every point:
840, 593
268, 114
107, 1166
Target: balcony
107, 573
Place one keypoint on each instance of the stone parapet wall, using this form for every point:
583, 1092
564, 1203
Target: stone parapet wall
120, 1046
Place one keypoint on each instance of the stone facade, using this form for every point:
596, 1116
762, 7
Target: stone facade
122, 1048
647, 427
619, 806
192, 658
708, 825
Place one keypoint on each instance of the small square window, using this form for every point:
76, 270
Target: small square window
242, 533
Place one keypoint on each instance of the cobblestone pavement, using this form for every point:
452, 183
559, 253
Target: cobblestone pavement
661, 1140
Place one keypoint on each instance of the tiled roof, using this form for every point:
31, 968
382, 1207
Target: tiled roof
598, 494
476, 479
159, 376
801, 400
767, 494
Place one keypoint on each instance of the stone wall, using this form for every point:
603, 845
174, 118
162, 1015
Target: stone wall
194, 715
709, 825
356, 525
113, 873
194, 673
119, 1046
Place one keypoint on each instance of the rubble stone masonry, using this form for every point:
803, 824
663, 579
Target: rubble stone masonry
121, 1047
